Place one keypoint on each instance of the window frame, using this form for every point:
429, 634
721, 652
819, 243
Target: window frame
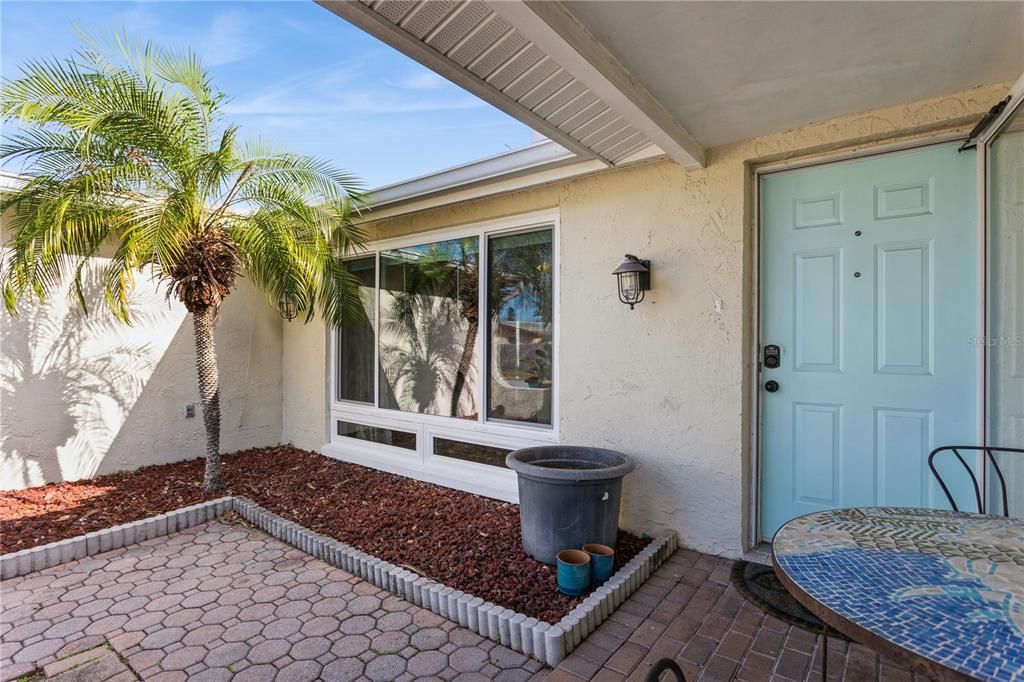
334, 368
423, 463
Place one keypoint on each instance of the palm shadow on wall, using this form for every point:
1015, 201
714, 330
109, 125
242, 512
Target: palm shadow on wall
431, 318
420, 366
429, 329
65, 389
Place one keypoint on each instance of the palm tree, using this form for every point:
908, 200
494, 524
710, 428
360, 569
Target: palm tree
127, 147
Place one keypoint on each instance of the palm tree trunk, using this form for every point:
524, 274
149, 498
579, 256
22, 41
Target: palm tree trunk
464, 363
209, 393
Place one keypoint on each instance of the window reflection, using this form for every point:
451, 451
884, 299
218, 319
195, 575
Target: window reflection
471, 452
429, 321
520, 295
355, 347
376, 434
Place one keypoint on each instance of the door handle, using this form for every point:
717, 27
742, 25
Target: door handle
771, 385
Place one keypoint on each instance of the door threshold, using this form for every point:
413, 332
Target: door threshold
761, 554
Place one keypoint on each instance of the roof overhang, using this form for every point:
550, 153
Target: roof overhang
537, 156
535, 63
12, 182
614, 83
539, 164
567, 41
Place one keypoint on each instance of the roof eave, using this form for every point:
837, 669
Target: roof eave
513, 171
537, 156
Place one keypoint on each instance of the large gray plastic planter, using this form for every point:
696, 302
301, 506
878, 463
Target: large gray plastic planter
568, 496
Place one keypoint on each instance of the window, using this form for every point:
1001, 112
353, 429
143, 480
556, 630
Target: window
376, 434
455, 359
470, 452
429, 321
520, 336
356, 346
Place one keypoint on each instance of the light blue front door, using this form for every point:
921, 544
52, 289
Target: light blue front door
869, 286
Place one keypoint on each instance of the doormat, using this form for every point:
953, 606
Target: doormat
759, 585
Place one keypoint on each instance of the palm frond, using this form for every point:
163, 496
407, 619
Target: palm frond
126, 145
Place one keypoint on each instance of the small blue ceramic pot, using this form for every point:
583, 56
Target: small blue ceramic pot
573, 572
602, 562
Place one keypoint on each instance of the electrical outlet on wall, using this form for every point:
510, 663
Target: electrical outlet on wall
190, 410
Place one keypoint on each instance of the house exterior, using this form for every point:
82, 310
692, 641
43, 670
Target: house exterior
818, 208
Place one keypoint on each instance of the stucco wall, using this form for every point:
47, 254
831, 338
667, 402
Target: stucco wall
304, 366
669, 381
85, 395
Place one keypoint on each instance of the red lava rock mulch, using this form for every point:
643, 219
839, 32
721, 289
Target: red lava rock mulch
468, 542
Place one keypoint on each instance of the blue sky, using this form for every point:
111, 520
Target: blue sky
296, 74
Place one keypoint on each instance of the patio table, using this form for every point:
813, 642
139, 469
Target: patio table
941, 590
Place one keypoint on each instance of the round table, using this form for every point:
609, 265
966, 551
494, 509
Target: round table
940, 590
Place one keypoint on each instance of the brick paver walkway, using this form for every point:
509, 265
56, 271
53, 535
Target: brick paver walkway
223, 601
690, 611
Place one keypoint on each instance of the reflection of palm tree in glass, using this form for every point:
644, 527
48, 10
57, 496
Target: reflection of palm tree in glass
437, 298
520, 277
469, 310
438, 301
520, 299
521, 281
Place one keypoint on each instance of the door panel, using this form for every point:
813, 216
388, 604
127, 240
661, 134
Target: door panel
817, 430
870, 286
903, 308
903, 441
816, 327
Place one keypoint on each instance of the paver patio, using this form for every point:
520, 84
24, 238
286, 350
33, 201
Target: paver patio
223, 601
690, 611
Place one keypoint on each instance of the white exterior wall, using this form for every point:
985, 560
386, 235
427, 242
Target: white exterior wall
86, 395
669, 382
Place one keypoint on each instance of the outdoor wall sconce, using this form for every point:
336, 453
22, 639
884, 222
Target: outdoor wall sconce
286, 304
634, 277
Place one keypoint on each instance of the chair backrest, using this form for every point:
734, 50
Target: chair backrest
989, 457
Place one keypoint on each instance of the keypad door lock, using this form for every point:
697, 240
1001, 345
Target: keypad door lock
772, 356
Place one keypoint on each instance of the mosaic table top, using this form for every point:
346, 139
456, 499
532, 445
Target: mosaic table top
944, 588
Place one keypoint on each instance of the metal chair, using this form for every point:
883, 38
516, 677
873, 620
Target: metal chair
989, 458
654, 674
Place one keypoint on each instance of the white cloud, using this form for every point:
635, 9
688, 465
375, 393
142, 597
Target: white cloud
137, 21
300, 121
350, 87
227, 40
423, 80
347, 101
